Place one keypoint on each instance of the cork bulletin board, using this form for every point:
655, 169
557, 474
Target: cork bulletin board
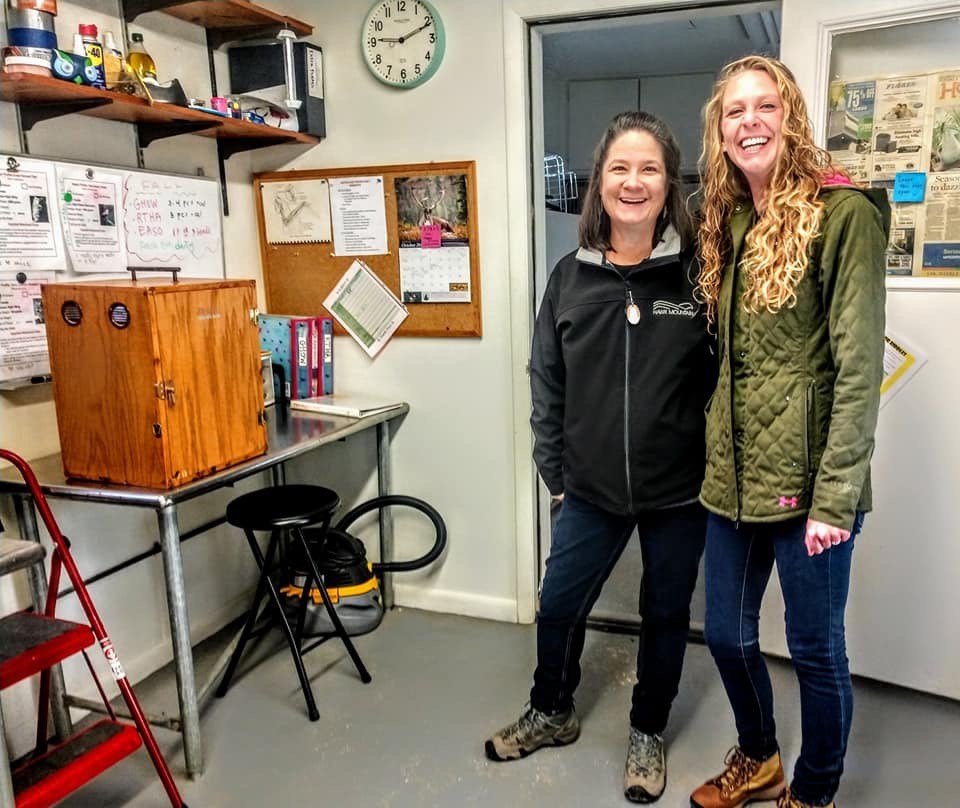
299, 276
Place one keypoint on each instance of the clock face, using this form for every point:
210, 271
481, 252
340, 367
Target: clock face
403, 42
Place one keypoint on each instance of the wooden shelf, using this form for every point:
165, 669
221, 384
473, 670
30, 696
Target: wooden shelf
42, 97
225, 20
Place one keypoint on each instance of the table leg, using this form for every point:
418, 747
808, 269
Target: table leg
180, 636
386, 519
27, 522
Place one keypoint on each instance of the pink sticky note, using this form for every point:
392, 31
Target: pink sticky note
430, 236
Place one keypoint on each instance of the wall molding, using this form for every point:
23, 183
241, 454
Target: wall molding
449, 601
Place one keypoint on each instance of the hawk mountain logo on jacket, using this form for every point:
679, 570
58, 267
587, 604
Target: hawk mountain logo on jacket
664, 308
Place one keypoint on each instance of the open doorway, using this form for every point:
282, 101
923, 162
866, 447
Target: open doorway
583, 72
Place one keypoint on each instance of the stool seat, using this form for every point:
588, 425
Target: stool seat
283, 506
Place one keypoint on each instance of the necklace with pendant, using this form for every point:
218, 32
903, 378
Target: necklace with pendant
632, 310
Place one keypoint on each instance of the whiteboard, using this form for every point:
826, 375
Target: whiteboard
61, 215
172, 220
63, 220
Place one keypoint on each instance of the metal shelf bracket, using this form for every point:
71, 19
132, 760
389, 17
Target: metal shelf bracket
34, 112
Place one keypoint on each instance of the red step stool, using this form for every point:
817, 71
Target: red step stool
32, 644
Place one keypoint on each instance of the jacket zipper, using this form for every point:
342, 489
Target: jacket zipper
807, 432
733, 441
626, 395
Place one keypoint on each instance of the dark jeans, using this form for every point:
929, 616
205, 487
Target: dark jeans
738, 562
587, 542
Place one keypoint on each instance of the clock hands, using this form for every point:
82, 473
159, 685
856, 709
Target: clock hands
427, 24
405, 37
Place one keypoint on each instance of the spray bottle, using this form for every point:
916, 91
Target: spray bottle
93, 50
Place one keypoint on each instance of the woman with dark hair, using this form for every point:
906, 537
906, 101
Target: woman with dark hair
793, 280
620, 371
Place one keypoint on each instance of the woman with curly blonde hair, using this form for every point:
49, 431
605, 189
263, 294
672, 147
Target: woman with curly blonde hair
793, 282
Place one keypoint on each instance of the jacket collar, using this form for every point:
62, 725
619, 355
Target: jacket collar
669, 246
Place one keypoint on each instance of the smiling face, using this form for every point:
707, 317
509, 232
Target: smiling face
633, 187
751, 120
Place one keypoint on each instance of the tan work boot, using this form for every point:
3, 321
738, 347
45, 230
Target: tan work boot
645, 774
744, 780
788, 801
532, 730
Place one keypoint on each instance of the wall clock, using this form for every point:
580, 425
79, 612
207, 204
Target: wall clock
403, 42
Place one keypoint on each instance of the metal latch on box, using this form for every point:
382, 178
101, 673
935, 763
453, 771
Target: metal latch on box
166, 390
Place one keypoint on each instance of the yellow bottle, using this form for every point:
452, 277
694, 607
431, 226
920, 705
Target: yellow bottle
112, 60
140, 61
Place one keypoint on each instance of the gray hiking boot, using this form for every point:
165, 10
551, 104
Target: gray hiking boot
530, 731
645, 775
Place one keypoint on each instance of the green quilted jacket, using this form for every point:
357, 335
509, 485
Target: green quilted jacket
790, 425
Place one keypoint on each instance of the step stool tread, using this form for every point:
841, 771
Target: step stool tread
29, 643
71, 764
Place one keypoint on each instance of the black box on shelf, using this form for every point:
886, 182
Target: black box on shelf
256, 71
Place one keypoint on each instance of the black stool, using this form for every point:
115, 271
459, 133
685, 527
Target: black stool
287, 509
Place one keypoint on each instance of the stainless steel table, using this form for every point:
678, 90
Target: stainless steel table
287, 438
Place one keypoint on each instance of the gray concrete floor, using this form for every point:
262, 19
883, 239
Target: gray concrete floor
442, 684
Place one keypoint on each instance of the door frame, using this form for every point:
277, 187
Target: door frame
526, 239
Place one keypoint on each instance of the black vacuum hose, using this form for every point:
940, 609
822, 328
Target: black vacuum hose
411, 502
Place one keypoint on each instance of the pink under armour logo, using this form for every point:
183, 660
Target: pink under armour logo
788, 502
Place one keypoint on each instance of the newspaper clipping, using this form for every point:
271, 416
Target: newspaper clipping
850, 126
899, 132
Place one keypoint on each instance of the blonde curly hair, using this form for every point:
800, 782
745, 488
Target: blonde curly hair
776, 250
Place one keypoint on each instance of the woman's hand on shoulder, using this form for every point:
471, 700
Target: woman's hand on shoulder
820, 536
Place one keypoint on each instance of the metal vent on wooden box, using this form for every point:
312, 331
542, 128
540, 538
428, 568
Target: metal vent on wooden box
71, 312
119, 315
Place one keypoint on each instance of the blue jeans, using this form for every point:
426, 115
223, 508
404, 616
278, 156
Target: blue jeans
737, 566
587, 542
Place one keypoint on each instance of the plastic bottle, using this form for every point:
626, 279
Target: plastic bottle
112, 59
94, 52
140, 61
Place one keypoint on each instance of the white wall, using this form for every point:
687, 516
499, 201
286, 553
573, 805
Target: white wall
455, 448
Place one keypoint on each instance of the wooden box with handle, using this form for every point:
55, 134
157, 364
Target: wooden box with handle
156, 382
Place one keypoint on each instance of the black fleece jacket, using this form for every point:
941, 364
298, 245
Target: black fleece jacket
617, 407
